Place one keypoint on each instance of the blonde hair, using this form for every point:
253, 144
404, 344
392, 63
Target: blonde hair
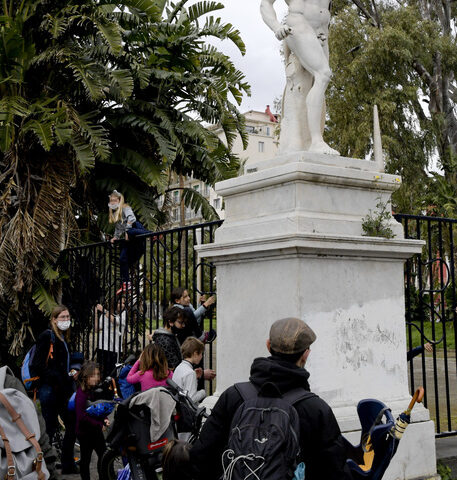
153, 358
116, 215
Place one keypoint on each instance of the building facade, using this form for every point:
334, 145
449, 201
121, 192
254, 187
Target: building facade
263, 133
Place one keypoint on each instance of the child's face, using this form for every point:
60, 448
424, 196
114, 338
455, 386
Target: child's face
113, 202
196, 358
94, 379
179, 323
185, 299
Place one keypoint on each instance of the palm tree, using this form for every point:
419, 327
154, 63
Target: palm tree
96, 95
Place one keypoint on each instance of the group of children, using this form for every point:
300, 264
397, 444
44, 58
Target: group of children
162, 359
175, 351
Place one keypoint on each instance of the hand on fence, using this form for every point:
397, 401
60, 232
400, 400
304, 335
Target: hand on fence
210, 301
428, 347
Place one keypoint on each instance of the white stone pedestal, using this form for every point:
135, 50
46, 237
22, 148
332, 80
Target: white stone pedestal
292, 245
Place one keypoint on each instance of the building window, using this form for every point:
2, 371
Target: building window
250, 129
175, 214
261, 147
176, 196
217, 203
268, 131
196, 187
206, 189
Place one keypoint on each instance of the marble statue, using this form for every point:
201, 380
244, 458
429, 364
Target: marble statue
305, 36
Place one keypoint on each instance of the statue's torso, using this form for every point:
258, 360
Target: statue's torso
315, 12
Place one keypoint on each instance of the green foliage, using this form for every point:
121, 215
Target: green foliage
444, 471
400, 56
376, 224
96, 96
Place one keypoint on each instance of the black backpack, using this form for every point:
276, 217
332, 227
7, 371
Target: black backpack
264, 440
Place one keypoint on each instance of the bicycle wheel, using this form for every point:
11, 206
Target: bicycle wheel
111, 464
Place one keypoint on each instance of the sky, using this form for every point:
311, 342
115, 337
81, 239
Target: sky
262, 63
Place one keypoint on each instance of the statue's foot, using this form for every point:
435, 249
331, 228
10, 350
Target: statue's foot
322, 147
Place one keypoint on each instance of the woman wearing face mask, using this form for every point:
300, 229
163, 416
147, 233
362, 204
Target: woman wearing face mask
51, 364
126, 227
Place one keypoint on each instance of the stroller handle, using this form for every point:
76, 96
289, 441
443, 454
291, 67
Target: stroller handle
417, 398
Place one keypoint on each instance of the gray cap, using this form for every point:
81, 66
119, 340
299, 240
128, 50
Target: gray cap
291, 335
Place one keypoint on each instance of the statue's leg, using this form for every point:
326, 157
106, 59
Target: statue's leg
295, 135
304, 43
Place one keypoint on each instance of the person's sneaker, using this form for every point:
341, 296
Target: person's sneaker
209, 336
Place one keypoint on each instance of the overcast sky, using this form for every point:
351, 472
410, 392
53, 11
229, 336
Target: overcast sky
262, 63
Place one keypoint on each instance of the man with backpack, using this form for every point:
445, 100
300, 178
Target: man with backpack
273, 427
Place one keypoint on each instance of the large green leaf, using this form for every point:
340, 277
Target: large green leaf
195, 200
43, 299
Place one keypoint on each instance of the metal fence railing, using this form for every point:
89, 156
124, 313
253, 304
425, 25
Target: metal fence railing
431, 316
161, 261
168, 259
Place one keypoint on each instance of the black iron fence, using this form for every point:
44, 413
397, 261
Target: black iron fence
431, 316
113, 317
168, 259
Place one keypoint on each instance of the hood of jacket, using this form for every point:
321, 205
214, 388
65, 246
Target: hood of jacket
163, 331
276, 376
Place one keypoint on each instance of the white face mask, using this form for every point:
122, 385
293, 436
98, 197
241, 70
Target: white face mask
113, 206
63, 325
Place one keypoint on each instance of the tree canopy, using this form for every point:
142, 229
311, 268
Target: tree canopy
401, 56
96, 95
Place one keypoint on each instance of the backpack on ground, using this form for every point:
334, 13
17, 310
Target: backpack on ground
21, 457
28, 380
264, 440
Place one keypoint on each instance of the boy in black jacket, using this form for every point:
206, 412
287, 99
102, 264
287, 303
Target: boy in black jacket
322, 446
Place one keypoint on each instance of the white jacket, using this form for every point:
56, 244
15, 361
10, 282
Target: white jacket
186, 378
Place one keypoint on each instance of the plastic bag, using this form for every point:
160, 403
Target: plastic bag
125, 473
300, 472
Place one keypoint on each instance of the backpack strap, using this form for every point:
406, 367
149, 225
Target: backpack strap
51, 346
247, 390
11, 472
16, 417
297, 394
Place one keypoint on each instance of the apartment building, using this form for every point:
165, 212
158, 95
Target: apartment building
262, 129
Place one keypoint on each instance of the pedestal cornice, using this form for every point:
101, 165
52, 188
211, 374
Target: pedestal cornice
309, 244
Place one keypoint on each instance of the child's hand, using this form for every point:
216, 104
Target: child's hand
113, 239
199, 372
209, 374
428, 347
99, 308
149, 336
107, 422
210, 301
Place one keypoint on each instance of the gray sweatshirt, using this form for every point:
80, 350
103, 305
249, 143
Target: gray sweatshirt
122, 226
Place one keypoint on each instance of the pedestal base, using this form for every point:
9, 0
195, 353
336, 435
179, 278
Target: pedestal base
292, 245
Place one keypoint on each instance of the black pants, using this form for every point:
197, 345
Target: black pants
87, 444
54, 403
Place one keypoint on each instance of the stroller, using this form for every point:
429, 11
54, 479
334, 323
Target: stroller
380, 437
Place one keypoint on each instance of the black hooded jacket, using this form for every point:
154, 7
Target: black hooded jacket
322, 445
